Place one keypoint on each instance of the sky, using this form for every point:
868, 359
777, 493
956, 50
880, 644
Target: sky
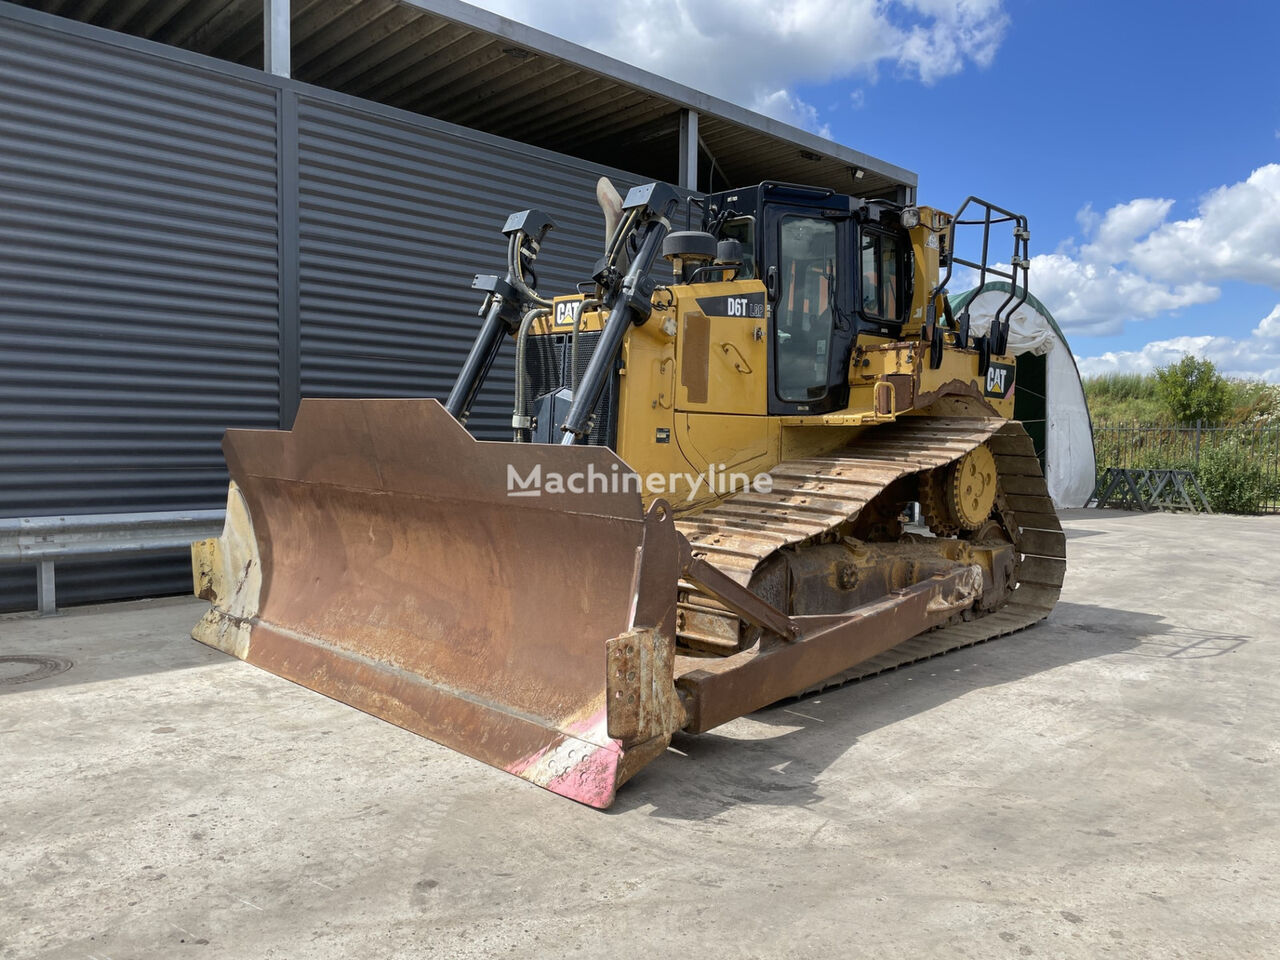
1141, 138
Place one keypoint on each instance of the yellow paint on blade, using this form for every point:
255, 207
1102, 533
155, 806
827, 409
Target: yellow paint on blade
227, 572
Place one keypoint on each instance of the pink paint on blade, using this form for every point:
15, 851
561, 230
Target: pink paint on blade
593, 779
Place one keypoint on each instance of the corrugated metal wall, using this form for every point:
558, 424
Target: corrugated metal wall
184, 243
138, 288
397, 216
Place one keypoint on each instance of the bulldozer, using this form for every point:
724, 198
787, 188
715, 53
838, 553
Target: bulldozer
750, 459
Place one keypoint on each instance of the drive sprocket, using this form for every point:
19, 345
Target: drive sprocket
959, 496
971, 487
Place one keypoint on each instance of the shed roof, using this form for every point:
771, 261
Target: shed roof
456, 62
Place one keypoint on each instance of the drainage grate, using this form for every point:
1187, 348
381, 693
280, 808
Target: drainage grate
37, 668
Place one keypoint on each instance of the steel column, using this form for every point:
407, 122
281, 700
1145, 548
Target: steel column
275, 37
689, 149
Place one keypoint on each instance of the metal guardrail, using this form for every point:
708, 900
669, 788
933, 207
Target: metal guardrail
46, 540
1150, 490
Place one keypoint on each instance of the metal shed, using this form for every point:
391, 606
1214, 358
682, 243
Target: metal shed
210, 209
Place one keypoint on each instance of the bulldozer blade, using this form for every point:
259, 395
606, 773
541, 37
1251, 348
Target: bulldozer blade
378, 554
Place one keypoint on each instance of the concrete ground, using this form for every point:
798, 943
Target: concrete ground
1104, 785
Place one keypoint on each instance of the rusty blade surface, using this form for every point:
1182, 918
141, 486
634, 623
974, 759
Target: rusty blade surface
400, 577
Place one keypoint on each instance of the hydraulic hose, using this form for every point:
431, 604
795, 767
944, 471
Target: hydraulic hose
515, 269
519, 414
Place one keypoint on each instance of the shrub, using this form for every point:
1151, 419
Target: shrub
1193, 390
1231, 480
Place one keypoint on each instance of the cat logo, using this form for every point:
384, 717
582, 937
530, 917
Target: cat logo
999, 380
567, 311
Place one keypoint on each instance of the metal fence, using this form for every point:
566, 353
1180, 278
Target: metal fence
1250, 453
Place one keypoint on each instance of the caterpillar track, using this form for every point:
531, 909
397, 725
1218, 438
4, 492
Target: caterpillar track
815, 499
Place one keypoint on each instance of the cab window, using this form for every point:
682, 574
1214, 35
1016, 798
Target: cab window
881, 286
743, 229
807, 257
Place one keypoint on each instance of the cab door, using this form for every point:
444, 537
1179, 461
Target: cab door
811, 333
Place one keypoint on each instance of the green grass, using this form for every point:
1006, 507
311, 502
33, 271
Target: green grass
1124, 398
1123, 386
1132, 398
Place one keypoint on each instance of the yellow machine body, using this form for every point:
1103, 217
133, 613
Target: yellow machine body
693, 386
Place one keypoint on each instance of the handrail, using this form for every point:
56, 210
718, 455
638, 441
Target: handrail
1019, 268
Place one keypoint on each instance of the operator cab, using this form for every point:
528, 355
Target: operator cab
834, 268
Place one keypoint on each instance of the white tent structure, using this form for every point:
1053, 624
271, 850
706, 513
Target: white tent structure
1048, 396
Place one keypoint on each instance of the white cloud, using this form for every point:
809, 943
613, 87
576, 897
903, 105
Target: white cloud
1135, 263
1120, 227
1138, 264
1087, 218
952, 33
1096, 299
1270, 324
756, 52
1235, 237
1256, 356
781, 105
